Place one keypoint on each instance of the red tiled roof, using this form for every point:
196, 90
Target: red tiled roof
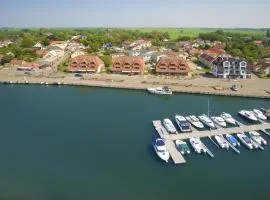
16, 62
128, 64
172, 65
86, 62
207, 57
57, 42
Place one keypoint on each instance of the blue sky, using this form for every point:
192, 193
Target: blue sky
136, 13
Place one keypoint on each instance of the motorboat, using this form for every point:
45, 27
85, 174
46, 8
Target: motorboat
259, 114
160, 149
257, 138
165, 90
248, 115
231, 139
221, 142
169, 126
183, 124
182, 147
195, 121
197, 145
219, 121
266, 112
228, 118
207, 121
245, 140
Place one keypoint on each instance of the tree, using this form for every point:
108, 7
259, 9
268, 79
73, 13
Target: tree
27, 42
45, 42
7, 58
268, 33
107, 60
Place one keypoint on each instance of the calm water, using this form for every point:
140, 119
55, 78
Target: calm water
86, 143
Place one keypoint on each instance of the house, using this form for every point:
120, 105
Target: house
86, 63
29, 66
38, 45
259, 43
207, 59
60, 44
5, 43
41, 52
172, 66
77, 53
263, 67
229, 67
128, 64
16, 63
215, 51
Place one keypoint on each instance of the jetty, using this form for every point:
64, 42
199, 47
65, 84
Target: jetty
176, 156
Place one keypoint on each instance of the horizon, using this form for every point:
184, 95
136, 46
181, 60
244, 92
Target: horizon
129, 14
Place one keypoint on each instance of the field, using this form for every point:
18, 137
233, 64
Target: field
193, 32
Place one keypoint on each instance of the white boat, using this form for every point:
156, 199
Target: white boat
248, 115
160, 90
245, 140
257, 138
160, 149
266, 112
207, 121
228, 118
182, 147
197, 145
219, 121
232, 140
169, 126
221, 142
183, 124
195, 121
259, 114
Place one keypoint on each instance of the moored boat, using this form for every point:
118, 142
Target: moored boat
228, 118
245, 140
165, 90
169, 126
266, 112
207, 121
197, 145
182, 123
219, 121
182, 147
160, 149
248, 115
221, 142
231, 139
195, 121
257, 138
259, 114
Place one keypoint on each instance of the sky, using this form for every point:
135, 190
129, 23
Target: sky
135, 13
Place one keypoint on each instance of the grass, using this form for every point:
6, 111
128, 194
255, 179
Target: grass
194, 32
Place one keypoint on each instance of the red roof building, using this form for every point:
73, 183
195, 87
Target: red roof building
86, 63
167, 65
128, 64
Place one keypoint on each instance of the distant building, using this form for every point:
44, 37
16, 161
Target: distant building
207, 59
29, 66
41, 52
86, 63
16, 62
128, 64
172, 66
60, 44
263, 67
229, 67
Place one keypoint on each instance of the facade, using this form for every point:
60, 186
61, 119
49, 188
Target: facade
207, 59
86, 63
263, 67
29, 66
229, 67
128, 64
172, 66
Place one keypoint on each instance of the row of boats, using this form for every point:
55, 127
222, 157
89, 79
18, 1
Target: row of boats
254, 141
184, 123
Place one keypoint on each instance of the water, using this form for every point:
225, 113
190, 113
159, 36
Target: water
88, 143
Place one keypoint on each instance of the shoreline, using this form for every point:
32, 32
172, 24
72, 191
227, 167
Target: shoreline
124, 84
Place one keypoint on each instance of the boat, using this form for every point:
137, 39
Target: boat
182, 147
195, 121
219, 121
228, 118
266, 112
234, 88
165, 90
248, 115
259, 114
169, 126
232, 140
207, 121
197, 145
257, 138
160, 149
245, 140
183, 124
221, 142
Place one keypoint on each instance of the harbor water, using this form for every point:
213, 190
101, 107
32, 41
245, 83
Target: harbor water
61, 143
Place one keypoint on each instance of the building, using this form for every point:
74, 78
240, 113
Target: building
86, 63
16, 63
263, 67
60, 44
128, 64
172, 66
29, 66
207, 59
41, 52
229, 67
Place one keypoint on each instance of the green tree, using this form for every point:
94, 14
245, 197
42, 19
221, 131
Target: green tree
7, 58
268, 33
107, 60
45, 42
